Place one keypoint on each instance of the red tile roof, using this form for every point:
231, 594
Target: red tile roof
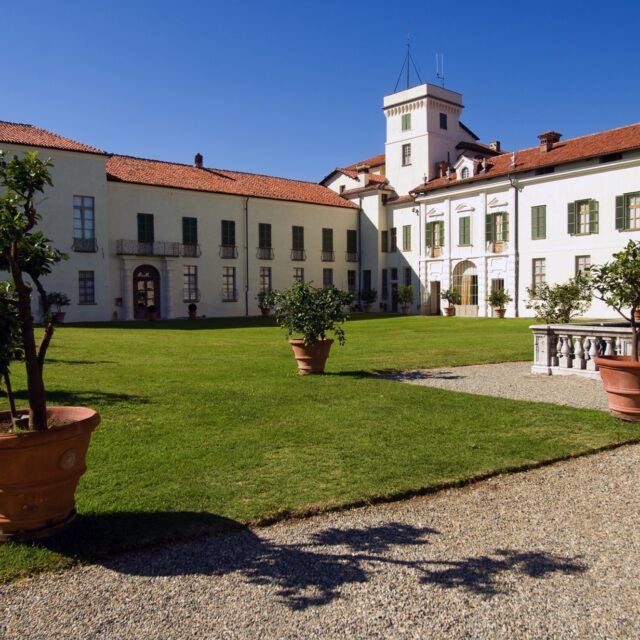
572, 150
376, 161
182, 176
28, 135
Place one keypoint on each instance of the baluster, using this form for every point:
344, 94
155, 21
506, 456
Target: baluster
609, 349
579, 355
553, 351
592, 353
565, 351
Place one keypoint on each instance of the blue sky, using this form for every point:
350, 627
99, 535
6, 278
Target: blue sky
295, 88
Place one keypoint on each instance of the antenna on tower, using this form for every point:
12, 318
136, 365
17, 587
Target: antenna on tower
407, 64
440, 67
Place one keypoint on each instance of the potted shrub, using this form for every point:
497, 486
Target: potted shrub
264, 303
152, 312
368, 297
42, 449
193, 311
309, 312
453, 297
617, 284
498, 300
559, 303
405, 298
57, 300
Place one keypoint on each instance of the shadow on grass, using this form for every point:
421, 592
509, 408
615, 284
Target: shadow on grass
84, 398
305, 574
58, 361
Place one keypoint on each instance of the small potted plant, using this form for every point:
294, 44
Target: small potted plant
368, 297
193, 310
310, 312
264, 303
617, 284
405, 298
42, 449
152, 312
453, 297
499, 299
57, 300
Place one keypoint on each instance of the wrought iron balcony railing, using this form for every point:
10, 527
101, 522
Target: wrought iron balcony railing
328, 256
228, 251
191, 250
135, 248
351, 256
85, 245
265, 253
298, 255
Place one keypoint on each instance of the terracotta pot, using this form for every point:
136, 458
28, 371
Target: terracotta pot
621, 380
152, 315
39, 473
266, 311
311, 358
59, 316
498, 313
193, 315
450, 311
406, 309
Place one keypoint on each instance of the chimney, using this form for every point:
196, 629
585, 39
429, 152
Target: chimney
495, 145
197, 161
548, 139
363, 174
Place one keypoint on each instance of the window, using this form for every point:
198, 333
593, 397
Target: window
229, 293
86, 287
352, 245
342, 188
327, 245
407, 275
84, 231
385, 284
190, 292
265, 250
190, 230
145, 227
434, 236
497, 284
351, 281
583, 263
538, 272
394, 240
464, 231
464, 173
228, 228
406, 237
265, 279
384, 241
610, 157
298, 274
406, 155
443, 120
366, 280
297, 243
539, 222
406, 122
628, 212
394, 275
582, 217
327, 278
497, 227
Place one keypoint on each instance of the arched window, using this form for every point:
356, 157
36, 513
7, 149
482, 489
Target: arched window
464, 173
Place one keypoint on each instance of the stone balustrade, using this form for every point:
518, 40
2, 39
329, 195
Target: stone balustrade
570, 349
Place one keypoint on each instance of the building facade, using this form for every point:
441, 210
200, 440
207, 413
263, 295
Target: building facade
436, 209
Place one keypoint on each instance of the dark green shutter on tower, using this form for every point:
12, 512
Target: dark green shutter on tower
505, 226
620, 221
441, 227
571, 218
593, 216
489, 227
429, 234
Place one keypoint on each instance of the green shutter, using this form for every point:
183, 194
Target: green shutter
505, 227
463, 231
571, 218
539, 222
429, 234
489, 227
593, 216
442, 234
620, 221
542, 224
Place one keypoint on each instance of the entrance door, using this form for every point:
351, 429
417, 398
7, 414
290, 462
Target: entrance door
434, 298
146, 291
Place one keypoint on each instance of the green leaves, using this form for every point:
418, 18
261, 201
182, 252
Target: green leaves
560, 302
451, 295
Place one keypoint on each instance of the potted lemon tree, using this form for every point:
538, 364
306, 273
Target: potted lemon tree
498, 300
405, 298
453, 297
42, 449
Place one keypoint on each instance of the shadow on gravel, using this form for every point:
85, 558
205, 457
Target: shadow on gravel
312, 573
425, 375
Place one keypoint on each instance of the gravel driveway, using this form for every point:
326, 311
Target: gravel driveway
551, 553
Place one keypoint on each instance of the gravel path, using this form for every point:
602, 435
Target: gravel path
551, 553
511, 380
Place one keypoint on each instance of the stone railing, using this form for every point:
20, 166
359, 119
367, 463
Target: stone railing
565, 349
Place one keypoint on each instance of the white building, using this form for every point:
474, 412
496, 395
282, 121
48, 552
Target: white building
436, 209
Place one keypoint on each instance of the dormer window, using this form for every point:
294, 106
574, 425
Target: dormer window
464, 173
342, 188
406, 122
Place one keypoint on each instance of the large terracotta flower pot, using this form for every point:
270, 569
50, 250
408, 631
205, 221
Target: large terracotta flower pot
498, 313
39, 473
450, 311
311, 358
621, 380
266, 311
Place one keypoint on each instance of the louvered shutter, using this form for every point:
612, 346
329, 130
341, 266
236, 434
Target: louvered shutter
505, 227
593, 216
442, 234
571, 218
620, 221
429, 234
542, 224
489, 227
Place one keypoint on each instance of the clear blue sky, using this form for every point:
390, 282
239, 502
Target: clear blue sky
295, 88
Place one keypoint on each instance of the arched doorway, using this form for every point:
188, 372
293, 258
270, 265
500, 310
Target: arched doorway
146, 291
465, 280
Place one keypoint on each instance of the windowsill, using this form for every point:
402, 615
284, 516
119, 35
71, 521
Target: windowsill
465, 245
407, 165
588, 233
545, 237
630, 229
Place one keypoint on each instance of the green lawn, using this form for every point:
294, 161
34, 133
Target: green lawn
206, 425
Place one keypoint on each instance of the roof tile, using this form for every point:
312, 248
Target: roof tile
27, 134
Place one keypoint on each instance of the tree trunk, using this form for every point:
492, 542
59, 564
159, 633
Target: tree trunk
12, 401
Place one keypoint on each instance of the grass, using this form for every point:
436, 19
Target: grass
206, 425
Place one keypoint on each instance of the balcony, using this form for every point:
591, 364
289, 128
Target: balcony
191, 250
135, 248
190, 294
265, 253
228, 251
229, 295
298, 255
85, 245
351, 256
328, 256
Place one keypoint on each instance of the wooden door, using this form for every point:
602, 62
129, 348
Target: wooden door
146, 291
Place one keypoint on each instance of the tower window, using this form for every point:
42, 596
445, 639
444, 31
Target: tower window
443, 120
406, 155
406, 122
